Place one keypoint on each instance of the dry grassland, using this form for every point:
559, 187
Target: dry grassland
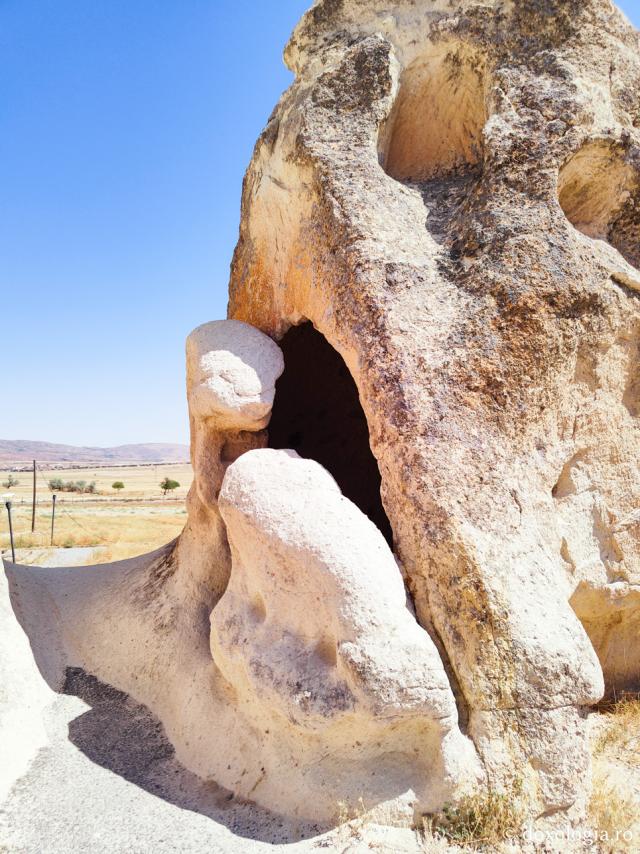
132, 522
139, 481
615, 801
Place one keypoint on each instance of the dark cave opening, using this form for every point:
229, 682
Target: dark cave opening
317, 413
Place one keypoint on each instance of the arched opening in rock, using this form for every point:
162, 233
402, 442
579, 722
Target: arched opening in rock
317, 412
612, 624
599, 193
435, 127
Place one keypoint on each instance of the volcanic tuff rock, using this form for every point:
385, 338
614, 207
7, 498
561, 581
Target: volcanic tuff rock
440, 229
450, 193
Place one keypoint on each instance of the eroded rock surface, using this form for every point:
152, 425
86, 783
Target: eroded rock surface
232, 369
449, 196
315, 636
448, 192
274, 640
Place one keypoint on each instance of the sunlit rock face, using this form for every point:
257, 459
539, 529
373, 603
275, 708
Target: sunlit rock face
412, 551
274, 640
449, 194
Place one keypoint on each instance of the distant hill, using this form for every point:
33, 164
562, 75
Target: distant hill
20, 450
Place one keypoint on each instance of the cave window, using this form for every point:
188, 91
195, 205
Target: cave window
317, 413
599, 192
435, 127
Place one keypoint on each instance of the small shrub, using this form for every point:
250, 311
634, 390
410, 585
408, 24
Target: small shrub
352, 819
487, 818
10, 481
613, 813
118, 485
56, 484
622, 725
168, 485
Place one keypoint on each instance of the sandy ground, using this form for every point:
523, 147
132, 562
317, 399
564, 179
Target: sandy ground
91, 771
57, 557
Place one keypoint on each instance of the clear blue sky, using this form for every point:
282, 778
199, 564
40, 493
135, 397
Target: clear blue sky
125, 130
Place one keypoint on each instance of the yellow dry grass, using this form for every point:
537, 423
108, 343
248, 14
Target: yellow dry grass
121, 530
482, 820
133, 521
621, 728
615, 805
614, 813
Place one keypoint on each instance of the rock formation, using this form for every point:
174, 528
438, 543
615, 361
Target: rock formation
449, 194
440, 228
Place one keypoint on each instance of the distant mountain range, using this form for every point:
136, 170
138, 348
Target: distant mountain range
19, 450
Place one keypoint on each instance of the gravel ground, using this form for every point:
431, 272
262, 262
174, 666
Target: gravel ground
54, 557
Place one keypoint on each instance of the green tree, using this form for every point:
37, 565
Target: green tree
56, 484
10, 481
118, 485
168, 485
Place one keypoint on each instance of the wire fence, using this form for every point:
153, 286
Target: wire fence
97, 499
83, 527
45, 502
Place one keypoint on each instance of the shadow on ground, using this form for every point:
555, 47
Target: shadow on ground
124, 737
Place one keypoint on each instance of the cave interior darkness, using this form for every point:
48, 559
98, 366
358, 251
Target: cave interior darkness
317, 413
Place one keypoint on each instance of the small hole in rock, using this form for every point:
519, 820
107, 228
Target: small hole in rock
435, 127
599, 192
317, 413
258, 608
433, 139
327, 651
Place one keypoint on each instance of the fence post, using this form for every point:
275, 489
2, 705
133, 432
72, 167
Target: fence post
33, 510
7, 504
53, 516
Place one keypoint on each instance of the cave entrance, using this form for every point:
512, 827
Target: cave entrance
317, 413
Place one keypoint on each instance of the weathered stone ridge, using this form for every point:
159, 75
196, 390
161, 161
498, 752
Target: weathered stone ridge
441, 222
448, 193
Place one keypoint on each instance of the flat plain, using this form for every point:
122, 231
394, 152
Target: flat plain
115, 524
